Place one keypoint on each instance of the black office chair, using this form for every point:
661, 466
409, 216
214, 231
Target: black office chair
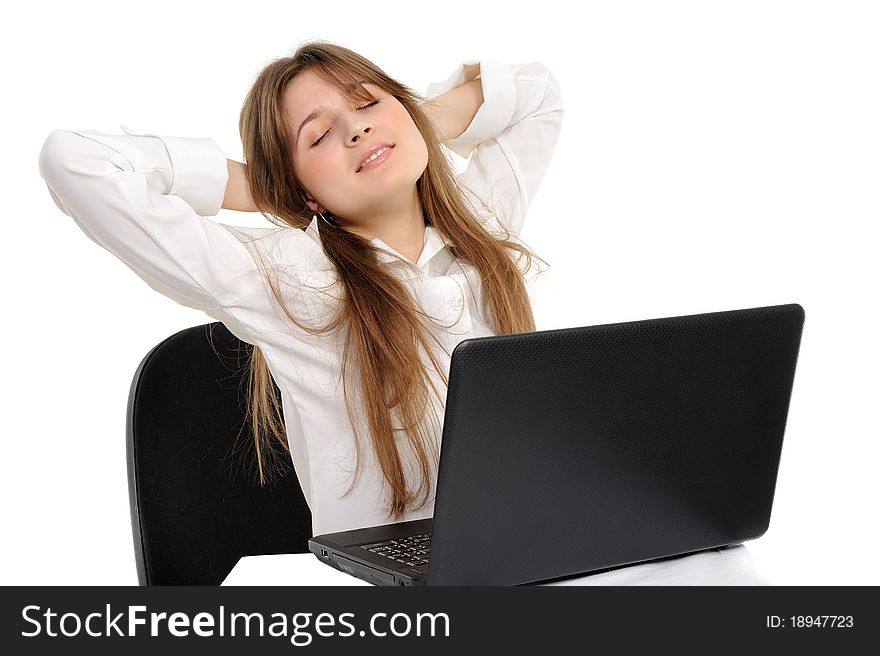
195, 505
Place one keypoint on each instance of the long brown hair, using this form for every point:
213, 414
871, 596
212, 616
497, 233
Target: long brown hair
378, 316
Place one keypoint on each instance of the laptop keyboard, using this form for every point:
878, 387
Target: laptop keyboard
412, 550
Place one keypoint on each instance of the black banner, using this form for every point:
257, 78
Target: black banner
431, 620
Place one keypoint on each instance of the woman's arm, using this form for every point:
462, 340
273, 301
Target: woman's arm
454, 110
511, 139
238, 193
145, 199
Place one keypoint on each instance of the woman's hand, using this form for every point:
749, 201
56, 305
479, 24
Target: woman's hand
238, 193
454, 110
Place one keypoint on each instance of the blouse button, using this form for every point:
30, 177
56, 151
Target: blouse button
456, 303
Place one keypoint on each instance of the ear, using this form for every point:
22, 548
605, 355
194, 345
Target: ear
312, 203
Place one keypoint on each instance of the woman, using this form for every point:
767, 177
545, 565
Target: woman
382, 261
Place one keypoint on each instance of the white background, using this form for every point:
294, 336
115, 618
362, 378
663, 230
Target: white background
714, 156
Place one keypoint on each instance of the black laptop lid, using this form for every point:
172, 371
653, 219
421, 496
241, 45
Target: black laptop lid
570, 450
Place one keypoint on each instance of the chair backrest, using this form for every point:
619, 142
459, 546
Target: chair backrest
195, 505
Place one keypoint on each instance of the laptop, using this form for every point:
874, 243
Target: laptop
580, 450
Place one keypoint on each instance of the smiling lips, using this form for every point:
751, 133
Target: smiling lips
385, 152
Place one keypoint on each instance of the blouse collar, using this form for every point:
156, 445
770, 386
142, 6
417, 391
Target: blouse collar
433, 252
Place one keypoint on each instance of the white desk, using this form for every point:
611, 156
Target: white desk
724, 566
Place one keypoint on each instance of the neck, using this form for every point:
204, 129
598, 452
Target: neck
401, 225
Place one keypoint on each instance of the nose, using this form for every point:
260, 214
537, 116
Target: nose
359, 133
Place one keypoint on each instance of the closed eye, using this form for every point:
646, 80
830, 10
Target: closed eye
375, 102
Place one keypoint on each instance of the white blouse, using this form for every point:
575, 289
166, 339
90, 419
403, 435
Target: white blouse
144, 198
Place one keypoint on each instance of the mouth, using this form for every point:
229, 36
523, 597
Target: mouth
385, 153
